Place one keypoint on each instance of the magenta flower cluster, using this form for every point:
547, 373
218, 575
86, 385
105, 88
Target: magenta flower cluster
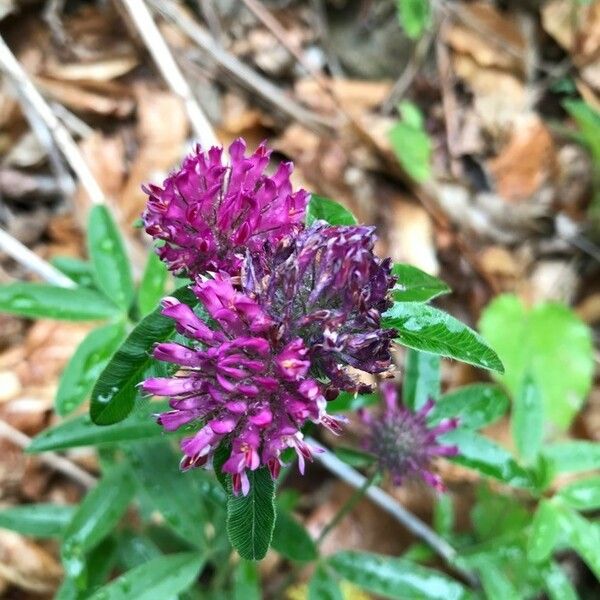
403, 442
291, 314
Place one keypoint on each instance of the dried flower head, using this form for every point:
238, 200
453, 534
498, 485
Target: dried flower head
327, 287
403, 442
246, 381
208, 213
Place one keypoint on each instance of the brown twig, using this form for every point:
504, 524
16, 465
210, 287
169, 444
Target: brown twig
246, 76
58, 463
32, 98
166, 64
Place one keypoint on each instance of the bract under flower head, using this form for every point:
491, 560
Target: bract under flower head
402, 441
246, 381
327, 287
208, 212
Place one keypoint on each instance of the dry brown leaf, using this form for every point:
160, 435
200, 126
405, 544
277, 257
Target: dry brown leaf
410, 235
491, 38
101, 70
27, 565
356, 96
80, 99
162, 129
499, 97
576, 27
105, 156
526, 163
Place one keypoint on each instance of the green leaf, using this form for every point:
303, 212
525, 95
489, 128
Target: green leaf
475, 405
411, 143
80, 271
325, 209
349, 402
414, 285
353, 457
588, 121
498, 516
251, 518
162, 577
100, 563
443, 514
421, 379
156, 468
291, 539
81, 431
428, 329
558, 585
583, 536
483, 455
415, 16
323, 585
246, 582
545, 530
395, 577
495, 583
573, 457
528, 420
40, 301
110, 264
583, 494
97, 515
551, 344
37, 520
114, 394
81, 372
152, 286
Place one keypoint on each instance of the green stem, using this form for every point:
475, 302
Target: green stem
348, 505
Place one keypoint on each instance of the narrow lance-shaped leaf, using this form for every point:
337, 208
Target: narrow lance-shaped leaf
414, 285
545, 530
395, 577
477, 452
573, 457
583, 536
162, 577
582, 495
428, 329
414, 16
528, 420
421, 379
475, 405
152, 286
81, 431
114, 394
251, 518
558, 585
323, 585
291, 539
82, 370
95, 518
37, 520
80, 271
246, 582
156, 468
110, 263
321, 208
40, 301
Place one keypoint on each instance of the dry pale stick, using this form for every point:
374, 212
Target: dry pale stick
31, 261
242, 73
30, 95
169, 69
417, 527
58, 463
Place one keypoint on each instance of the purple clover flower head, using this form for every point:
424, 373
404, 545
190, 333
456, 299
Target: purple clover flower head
246, 382
327, 287
402, 441
208, 213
